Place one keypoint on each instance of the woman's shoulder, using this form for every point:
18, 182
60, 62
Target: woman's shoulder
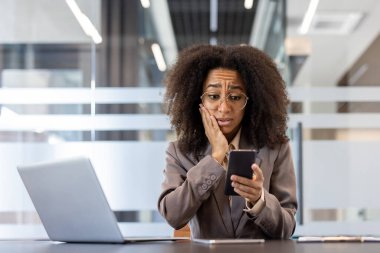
276, 148
174, 150
172, 146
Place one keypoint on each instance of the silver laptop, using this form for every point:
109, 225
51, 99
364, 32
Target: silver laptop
71, 203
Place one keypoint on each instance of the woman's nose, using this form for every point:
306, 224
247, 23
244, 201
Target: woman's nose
224, 105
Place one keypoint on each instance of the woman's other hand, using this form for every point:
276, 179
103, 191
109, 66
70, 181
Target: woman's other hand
250, 189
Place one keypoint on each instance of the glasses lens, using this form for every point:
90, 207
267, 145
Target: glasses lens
210, 100
213, 100
238, 100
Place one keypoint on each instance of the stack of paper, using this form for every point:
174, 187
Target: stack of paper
338, 239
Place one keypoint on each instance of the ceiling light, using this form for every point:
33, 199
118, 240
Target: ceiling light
335, 22
306, 22
145, 3
213, 15
248, 4
158, 56
86, 24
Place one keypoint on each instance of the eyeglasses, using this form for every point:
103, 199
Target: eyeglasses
212, 100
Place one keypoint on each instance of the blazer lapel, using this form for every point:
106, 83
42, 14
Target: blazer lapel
222, 201
224, 209
237, 206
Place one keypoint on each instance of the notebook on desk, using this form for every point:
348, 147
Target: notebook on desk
71, 203
228, 241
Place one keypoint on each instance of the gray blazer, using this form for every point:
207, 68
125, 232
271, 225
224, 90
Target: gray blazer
193, 191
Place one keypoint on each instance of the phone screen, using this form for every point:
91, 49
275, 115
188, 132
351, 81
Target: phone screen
239, 163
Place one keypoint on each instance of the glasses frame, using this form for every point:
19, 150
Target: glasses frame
225, 99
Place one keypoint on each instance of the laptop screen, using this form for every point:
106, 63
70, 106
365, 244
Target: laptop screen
70, 201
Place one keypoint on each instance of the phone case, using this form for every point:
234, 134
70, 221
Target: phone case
239, 163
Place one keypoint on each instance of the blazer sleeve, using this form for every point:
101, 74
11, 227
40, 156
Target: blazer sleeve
277, 217
186, 185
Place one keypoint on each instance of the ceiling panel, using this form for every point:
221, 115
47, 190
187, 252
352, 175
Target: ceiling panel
191, 21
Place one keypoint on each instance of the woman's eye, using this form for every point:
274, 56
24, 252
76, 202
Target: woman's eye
234, 97
213, 96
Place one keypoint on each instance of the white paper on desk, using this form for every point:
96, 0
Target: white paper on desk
338, 239
370, 239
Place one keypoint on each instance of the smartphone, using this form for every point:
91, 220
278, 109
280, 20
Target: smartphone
239, 163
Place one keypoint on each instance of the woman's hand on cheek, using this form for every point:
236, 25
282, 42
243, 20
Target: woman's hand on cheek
216, 138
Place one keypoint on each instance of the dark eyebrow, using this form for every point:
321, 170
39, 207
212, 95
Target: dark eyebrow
214, 85
235, 87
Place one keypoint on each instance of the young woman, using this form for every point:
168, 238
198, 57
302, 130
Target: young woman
221, 98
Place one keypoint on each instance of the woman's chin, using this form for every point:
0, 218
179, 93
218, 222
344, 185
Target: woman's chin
225, 130
228, 133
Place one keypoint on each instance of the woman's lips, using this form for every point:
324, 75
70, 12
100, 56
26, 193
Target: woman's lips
224, 122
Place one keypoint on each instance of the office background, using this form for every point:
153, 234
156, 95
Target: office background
85, 77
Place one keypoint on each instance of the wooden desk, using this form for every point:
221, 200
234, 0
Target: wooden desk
187, 247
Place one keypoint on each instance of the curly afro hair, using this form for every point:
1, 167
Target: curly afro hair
265, 117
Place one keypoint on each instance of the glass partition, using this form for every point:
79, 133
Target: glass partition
66, 91
338, 173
